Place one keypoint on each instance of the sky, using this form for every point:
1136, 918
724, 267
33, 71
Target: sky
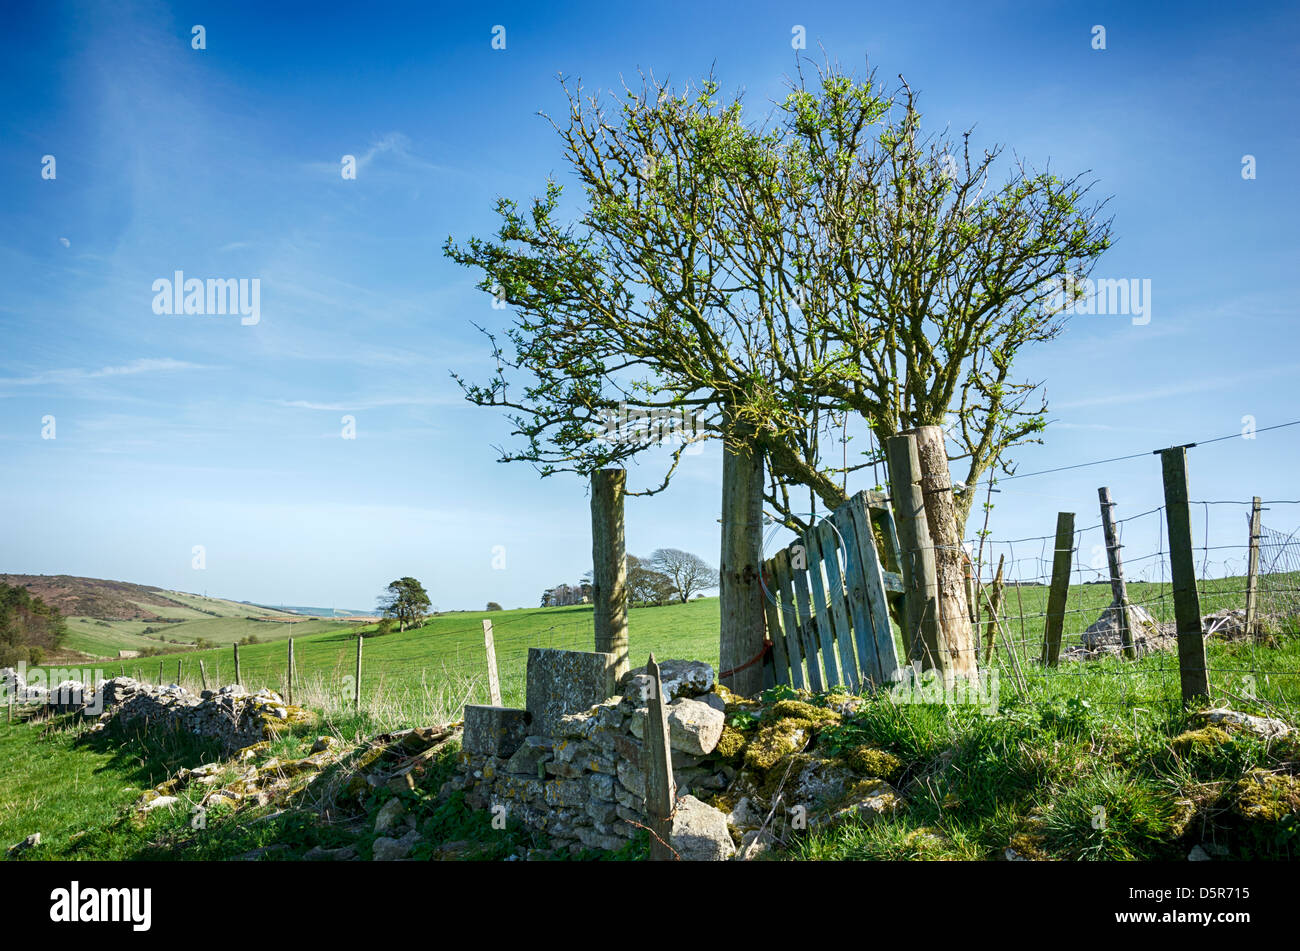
209, 454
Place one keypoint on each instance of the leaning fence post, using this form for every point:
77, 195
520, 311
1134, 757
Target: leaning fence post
489, 647
1192, 665
921, 632
660, 789
1060, 590
238, 680
609, 565
995, 606
1252, 574
203, 674
290, 671
356, 681
1118, 589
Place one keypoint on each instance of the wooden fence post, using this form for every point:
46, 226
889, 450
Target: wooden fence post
160, 673
609, 565
1060, 590
290, 698
203, 674
660, 790
179, 668
995, 605
356, 680
238, 679
489, 646
1118, 589
1192, 666
1252, 574
922, 635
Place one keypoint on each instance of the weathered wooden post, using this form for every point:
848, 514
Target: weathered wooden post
356, 680
660, 790
1192, 666
995, 605
609, 566
179, 668
1118, 589
160, 673
949, 554
742, 622
1252, 573
238, 679
494, 682
1059, 593
203, 674
290, 698
922, 635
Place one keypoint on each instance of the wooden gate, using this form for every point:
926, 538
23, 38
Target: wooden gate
828, 597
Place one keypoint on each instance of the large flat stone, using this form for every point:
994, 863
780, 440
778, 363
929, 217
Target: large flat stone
562, 682
494, 731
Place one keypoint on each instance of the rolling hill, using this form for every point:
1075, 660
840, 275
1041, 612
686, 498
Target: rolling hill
105, 617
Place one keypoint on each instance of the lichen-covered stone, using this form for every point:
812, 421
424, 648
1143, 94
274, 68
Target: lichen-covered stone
680, 678
699, 832
494, 731
563, 682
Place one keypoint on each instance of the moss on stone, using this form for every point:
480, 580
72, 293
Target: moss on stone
1029, 845
775, 741
869, 761
1262, 796
731, 744
1199, 743
799, 710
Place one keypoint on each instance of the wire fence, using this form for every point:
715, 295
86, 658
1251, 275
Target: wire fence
426, 675
1256, 664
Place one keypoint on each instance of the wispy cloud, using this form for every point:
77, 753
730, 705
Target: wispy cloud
80, 375
374, 403
1203, 385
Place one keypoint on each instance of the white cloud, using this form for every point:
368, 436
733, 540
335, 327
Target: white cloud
78, 375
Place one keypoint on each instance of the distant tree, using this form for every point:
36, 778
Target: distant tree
689, 573
406, 600
493, 606
645, 585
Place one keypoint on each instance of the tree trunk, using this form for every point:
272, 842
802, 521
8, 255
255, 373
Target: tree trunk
949, 555
743, 626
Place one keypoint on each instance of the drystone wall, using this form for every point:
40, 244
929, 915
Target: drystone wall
231, 715
572, 763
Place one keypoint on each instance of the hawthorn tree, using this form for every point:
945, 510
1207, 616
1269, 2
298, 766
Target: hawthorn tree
766, 281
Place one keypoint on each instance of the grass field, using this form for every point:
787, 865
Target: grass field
430, 672
102, 638
1061, 741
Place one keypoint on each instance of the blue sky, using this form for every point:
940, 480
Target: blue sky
176, 431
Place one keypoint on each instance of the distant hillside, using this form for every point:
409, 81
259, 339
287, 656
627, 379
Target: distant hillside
105, 617
317, 612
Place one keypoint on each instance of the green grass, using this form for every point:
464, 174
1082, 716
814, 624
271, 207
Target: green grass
102, 638
428, 673
1064, 744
